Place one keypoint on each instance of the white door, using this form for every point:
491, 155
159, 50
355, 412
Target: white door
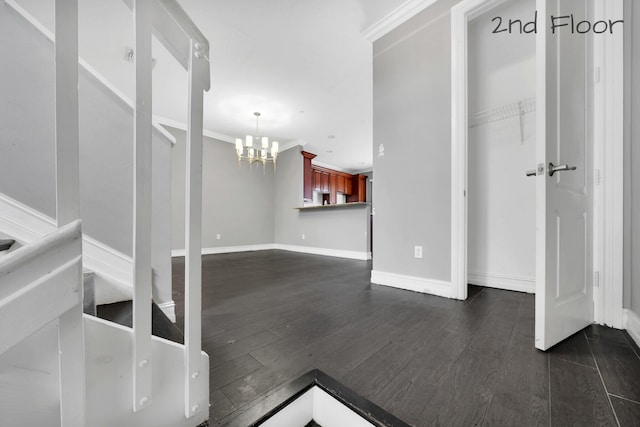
564, 292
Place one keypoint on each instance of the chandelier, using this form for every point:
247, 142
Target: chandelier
262, 153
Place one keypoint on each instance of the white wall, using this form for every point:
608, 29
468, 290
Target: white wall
237, 203
252, 208
412, 118
27, 162
501, 199
337, 230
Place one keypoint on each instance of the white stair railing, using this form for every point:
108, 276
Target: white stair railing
142, 274
172, 26
70, 323
41, 283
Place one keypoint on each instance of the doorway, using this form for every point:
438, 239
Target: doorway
567, 216
501, 218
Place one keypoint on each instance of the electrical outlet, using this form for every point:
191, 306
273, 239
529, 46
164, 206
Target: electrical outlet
417, 251
218, 236
303, 237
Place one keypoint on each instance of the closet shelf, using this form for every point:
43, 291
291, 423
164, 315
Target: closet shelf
514, 109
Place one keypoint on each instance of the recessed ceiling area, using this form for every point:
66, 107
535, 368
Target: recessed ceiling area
303, 64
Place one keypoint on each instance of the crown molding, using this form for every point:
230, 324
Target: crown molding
219, 136
399, 16
331, 166
183, 126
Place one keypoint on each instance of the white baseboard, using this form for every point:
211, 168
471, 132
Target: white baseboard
109, 262
169, 309
292, 248
226, 249
412, 283
501, 281
631, 322
21, 222
339, 253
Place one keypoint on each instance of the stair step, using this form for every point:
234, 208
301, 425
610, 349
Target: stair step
122, 313
5, 244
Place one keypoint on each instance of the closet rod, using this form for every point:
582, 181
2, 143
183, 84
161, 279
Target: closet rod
513, 109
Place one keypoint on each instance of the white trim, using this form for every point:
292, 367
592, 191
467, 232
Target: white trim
21, 222
226, 249
218, 136
397, 17
86, 66
631, 322
501, 281
169, 309
612, 224
183, 126
339, 253
608, 157
26, 225
412, 283
101, 258
32, 20
330, 166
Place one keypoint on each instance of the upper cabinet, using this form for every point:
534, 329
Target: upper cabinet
307, 189
331, 182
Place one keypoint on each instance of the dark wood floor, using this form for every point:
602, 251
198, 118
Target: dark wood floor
270, 316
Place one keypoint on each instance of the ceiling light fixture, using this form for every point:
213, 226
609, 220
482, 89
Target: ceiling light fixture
263, 153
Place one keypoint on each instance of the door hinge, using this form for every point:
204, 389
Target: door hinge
597, 177
596, 279
595, 75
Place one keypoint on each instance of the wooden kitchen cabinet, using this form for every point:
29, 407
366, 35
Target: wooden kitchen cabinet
359, 189
340, 183
330, 182
325, 183
317, 180
307, 175
333, 187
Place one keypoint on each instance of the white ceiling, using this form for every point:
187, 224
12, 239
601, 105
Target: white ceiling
303, 64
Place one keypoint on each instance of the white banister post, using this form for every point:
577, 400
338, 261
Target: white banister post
66, 112
67, 142
142, 13
198, 82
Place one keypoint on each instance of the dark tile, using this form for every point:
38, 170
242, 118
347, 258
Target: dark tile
521, 394
249, 388
574, 349
224, 373
472, 377
631, 342
578, 397
220, 406
426, 359
233, 349
383, 366
357, 350
603, 333
620, 369
628, 412
526, 320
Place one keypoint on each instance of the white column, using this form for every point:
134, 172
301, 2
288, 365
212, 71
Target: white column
142, 13
66, 112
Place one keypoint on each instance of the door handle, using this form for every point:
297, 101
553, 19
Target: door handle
559, 168
532, 172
